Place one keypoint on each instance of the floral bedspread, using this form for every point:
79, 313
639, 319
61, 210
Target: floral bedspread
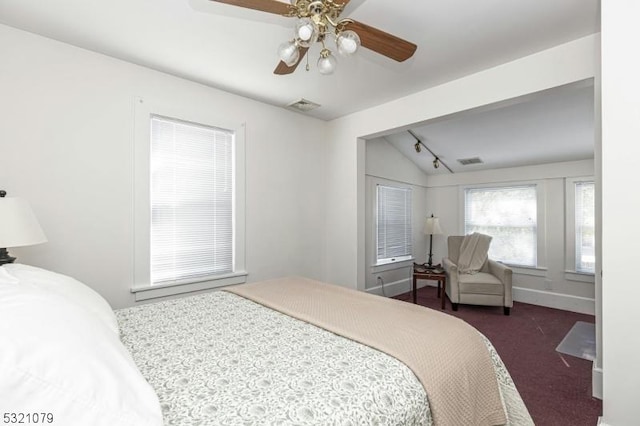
219, 359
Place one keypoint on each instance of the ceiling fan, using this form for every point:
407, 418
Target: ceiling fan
319, 20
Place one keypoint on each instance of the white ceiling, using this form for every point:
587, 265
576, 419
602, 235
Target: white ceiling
235, 49
549, 127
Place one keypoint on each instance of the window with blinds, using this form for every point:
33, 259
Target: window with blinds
509, 215
585, 227
192, 201
393, 224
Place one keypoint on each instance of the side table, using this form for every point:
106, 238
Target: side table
421, 272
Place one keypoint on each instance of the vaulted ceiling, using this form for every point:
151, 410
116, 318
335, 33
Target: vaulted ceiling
549, 127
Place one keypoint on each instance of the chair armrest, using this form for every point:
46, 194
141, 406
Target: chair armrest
449, 266
505, 275
501, 271
452, 280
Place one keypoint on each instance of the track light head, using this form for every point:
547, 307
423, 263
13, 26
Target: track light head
418, 147
436, 163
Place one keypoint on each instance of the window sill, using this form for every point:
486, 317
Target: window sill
528, 270
205, 283
392, 265
585, 277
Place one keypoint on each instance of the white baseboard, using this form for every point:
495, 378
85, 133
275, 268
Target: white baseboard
596, 382
549, 299
566, 302
601, 422
395, 288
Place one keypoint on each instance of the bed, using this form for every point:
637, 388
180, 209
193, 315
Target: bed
220, 358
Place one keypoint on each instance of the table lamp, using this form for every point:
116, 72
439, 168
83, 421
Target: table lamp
431, 228
18, 226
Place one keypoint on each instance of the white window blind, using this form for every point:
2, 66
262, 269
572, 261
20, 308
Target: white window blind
192, 201
585, 227
509, 215
393, 223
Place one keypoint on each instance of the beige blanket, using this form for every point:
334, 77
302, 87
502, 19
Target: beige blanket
473, 253
447, 355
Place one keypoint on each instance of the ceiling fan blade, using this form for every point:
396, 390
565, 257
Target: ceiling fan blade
283, 68
270, 6
384, 43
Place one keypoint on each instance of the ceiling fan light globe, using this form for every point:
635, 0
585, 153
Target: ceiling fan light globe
327, 63
289, 53
348, 42
306, 31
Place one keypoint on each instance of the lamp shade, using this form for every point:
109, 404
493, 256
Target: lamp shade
18, 224
432, 226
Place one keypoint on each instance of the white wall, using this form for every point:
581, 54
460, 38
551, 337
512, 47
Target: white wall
383, 160
548, 285
387, 166
67, 146
620, 205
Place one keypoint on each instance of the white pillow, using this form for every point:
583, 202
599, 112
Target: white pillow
57, 358
68, 287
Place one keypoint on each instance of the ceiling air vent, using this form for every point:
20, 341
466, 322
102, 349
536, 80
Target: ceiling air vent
467, 161
303, 105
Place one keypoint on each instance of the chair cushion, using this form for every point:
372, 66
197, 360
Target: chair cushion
480, 283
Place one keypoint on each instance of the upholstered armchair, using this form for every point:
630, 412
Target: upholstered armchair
491, 286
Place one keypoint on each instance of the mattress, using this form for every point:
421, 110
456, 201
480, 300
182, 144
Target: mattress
220, 359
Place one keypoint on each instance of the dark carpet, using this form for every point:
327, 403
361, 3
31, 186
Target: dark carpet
555, 387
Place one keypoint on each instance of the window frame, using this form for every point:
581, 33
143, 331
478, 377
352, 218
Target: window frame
142, 288
392, 260
571, 272
540, 189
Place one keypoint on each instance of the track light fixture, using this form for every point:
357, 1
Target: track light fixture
418, 147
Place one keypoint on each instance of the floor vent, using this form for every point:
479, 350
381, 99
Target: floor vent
467, 161
303, 105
